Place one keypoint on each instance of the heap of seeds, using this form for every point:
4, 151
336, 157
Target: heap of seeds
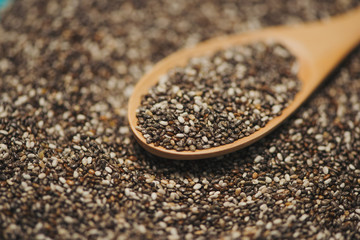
215, 100
70, 168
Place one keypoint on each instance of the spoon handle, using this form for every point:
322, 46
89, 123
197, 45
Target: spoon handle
324, 44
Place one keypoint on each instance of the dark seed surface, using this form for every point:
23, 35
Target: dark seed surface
216, 100
70, 168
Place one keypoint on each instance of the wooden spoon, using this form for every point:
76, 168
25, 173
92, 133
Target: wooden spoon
318, 47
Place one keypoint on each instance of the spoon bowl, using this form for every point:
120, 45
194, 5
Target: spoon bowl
318, 48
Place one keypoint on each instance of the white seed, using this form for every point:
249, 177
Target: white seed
109, 170
264, 207
276, 109
287, 177
186, 129
179, 106
42, 175
258, 158
3, 132
164, 123
196, 108
26, 176
231, 92
327, 181
105, 182
153, 196
54, 162
272, 149
62, 180
181, 119
52, 146
303, 217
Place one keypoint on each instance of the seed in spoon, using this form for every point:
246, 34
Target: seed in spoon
216, 100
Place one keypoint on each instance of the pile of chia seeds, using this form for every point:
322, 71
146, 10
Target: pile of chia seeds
71, 169
216, 100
